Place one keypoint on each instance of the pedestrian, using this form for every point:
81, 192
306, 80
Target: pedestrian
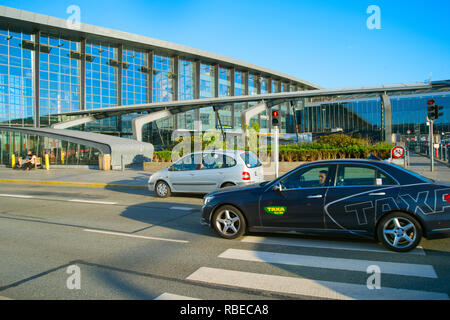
29, 162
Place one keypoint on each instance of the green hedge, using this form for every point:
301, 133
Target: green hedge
336, 146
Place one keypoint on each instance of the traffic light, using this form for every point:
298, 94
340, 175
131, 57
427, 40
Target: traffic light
431, 110
438, 114
275, 118
434, 110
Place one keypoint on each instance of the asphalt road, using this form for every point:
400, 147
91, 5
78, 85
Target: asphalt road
87, 243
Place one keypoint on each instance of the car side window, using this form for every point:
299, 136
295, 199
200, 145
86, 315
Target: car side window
359, 175
384, 180
184, 164
313, 177
217, 161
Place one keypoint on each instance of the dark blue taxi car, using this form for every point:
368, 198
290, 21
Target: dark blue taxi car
365, 198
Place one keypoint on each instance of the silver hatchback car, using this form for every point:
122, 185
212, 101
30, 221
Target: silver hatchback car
204, 172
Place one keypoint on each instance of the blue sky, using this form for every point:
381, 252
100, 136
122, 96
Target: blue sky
324, 42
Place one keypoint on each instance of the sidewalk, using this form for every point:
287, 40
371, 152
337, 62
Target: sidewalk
422, 165
130, 179
137, 179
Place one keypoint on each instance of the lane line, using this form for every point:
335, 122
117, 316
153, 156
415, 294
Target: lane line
135, 236
171, 296
16, 196
307, 287
403, 269
324, 244
91, 201
181, 208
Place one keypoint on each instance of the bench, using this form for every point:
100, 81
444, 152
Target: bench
38, 162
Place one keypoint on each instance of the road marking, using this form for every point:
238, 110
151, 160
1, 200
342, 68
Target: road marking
403, 269
307, 287
135, 236
16, 196
323, 244
171, 296
180, 208
91, 201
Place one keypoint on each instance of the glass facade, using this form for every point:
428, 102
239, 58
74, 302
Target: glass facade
365, 116
60, 152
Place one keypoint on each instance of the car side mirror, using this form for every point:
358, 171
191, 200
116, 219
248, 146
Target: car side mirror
171, 168
277, 187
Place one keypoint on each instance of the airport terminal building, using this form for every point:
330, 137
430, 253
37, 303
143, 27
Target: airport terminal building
52, 72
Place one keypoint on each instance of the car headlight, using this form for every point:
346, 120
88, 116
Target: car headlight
207, 199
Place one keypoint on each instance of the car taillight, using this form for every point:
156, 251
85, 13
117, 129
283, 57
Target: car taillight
245, 175
447, 197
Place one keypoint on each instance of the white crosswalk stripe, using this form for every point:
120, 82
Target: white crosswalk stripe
324, 244
416, 270
306, 287
171, 296
302, 286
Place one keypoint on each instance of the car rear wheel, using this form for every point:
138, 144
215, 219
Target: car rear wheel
229, 222
162, 189
399, 232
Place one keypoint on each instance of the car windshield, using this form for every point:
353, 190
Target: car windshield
251, 161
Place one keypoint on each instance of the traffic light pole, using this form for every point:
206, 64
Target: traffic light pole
276, 149
431, 146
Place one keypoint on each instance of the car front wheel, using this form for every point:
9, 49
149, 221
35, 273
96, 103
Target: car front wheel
162, 189
229, 222
399, 232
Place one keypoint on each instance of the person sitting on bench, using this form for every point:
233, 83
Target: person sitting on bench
29, 161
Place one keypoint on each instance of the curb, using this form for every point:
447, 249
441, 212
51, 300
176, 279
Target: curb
75, 184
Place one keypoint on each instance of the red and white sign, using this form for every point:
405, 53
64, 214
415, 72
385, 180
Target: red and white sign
398, 152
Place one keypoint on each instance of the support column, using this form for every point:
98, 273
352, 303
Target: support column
386, 114
197, 88
251, 112
232, 88
83, 74
175, 88
119, 86
138, 123
37, 51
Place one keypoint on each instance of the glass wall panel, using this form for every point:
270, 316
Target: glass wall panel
207, 90
101, 76
252, 84
239, 83
186, 91
16, 79
224, 82
134, 81
163, 78
207, 83
186, 80
60, 78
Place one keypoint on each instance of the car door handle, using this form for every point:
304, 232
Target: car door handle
315, 196
377, 194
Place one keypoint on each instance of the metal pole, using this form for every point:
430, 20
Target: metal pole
431, 146
276, 152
